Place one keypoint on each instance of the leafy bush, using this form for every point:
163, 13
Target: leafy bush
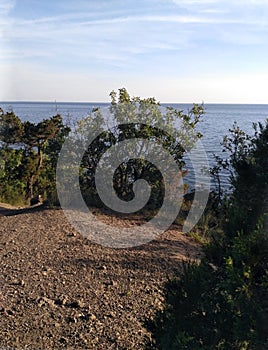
222, 303
219, 307
163, 129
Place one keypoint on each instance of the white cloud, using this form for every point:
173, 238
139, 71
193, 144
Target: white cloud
113, 46
81, 21
6, 6
5, 27
222, 3
258, 2
194, 2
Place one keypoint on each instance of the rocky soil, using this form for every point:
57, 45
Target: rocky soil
58, 290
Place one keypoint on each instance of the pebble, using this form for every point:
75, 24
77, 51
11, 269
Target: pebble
93, 317
83, 283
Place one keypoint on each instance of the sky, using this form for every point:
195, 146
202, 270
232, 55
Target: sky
215, 51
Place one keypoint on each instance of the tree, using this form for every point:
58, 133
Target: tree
28, 156
246, 162
11, 129
36, 139
144, 120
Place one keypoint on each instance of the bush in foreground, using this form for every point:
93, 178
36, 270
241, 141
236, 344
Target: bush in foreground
222, 303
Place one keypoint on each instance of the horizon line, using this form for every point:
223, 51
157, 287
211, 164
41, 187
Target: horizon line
108, 102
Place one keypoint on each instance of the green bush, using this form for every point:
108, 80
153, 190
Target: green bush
222, 303
219, 307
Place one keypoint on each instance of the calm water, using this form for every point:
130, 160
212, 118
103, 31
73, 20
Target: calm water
218, 119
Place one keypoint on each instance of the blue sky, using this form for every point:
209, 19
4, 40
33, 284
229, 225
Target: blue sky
175, 50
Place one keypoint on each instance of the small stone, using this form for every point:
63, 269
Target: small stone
16, 282
71, 319
102, 267
72, 234
45, 300
9, 312
81, 304
63, 340
62, 300
93, 317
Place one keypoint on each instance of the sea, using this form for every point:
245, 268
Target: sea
215, 124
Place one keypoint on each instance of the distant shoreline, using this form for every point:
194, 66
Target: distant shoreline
108, 103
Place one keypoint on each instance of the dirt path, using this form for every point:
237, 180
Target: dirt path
60, 291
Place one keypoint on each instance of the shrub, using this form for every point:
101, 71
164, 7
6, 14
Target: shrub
222, 303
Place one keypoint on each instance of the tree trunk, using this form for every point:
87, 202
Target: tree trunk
30, 185
39, 165
40, 161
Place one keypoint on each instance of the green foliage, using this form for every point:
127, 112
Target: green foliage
12, 188
11, 128
219, 306
222, 303
28, 156
30, 151
168, 127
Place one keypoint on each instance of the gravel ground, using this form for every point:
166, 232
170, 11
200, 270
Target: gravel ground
60, 291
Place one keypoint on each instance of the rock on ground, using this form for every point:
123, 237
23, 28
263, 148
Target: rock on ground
60, 291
